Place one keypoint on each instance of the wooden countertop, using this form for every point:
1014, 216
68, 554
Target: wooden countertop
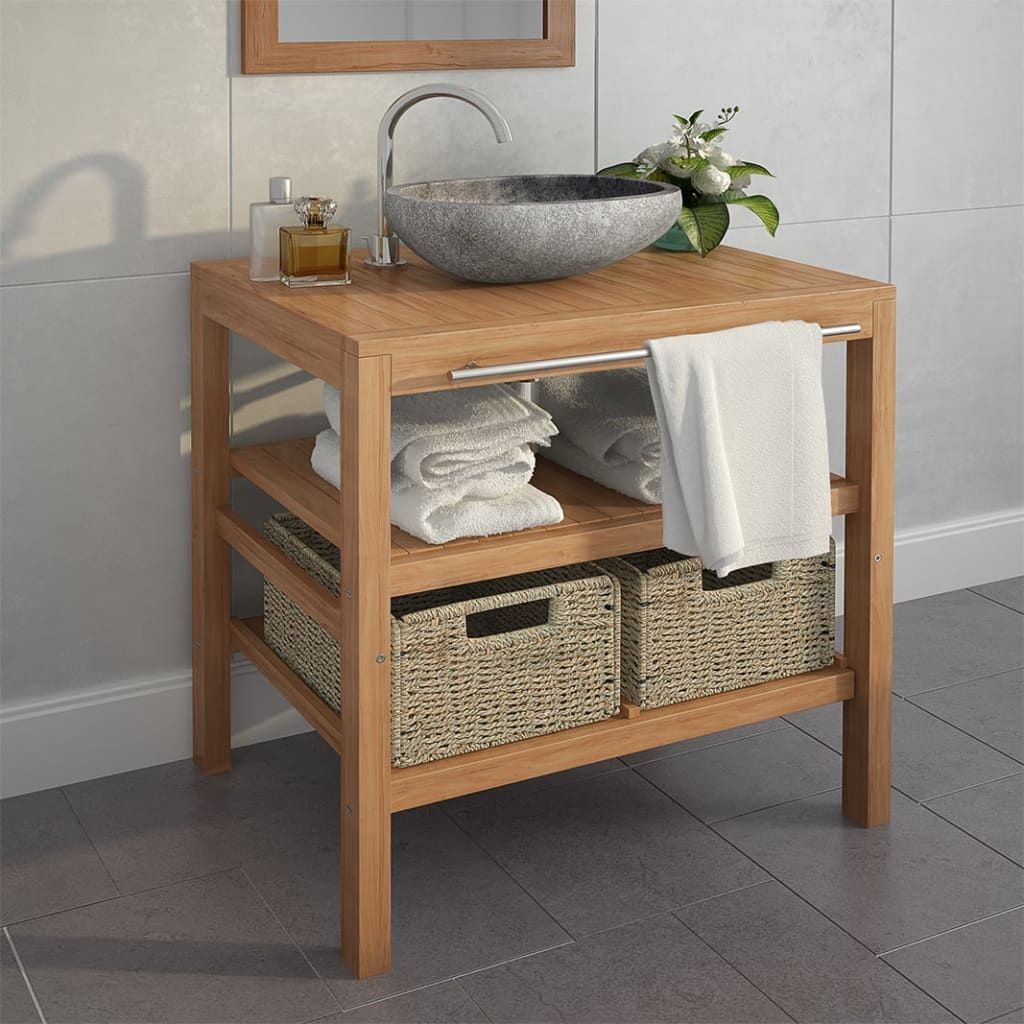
429, 322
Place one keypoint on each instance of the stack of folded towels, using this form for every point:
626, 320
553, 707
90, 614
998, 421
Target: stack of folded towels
608, 430
461, 462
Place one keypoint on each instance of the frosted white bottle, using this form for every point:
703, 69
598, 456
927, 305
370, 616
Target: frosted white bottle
265, 222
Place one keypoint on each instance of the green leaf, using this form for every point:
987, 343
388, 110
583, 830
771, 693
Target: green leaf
705, 226
748, 168
762, 207
682, 120
659, 175
695, 115
713, 133
728, 196
695, 163
626, 170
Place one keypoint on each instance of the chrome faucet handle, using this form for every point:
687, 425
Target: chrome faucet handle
382, 251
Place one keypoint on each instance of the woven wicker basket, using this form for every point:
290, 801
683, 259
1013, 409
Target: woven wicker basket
472, 666
686, 633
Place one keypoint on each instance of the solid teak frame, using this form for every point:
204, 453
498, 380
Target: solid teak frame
401, 331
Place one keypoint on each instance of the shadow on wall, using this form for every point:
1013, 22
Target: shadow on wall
127, 186
271, 400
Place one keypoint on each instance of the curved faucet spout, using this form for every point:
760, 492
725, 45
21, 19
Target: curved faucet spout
383, 247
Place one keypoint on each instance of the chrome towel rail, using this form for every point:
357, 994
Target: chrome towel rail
472, 372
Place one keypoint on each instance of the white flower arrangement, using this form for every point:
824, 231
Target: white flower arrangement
710, 179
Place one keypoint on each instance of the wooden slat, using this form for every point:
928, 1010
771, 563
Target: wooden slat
599, 522
616, 737
298, 493
510, 553
845, 495
316, 600
247, 638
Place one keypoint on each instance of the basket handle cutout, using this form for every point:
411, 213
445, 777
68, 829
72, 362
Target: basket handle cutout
515, 618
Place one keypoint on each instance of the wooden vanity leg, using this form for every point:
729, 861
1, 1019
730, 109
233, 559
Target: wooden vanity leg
211, 559
366, 664
867, 725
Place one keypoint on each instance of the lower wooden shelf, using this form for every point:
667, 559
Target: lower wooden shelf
599, 523
630, 733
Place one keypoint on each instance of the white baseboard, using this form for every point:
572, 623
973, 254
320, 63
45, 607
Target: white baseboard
103, 731
113, 729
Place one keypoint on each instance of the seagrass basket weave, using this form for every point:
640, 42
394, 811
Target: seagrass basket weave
472, 666
686, 633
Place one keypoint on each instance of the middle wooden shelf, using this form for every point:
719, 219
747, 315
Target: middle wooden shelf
599, 523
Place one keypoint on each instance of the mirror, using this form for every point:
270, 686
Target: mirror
321, 21
303, 36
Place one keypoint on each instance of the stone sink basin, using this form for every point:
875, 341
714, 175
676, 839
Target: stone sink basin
529, 227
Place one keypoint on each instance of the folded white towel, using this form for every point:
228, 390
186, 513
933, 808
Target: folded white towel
475, 507
636, 479
744, 456
443, 436
609, 415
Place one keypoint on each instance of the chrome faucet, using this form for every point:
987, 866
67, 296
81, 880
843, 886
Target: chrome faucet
383, 246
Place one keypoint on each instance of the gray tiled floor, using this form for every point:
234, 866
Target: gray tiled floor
713, 880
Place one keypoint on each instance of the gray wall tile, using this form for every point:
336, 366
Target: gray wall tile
953, 65
115, 147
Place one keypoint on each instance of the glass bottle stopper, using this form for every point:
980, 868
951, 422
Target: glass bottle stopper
315, 211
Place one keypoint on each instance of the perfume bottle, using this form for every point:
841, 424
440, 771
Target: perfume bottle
317, 253
265, 221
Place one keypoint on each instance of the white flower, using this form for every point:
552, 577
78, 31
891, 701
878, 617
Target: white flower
656, 155
710, 180
680, 134
719, 158
740, 181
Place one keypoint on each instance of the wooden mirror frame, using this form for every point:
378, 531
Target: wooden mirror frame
264, 54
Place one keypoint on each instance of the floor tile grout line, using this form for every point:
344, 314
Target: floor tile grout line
913, 799
645, 918
952, 725
85, 832
510, 960
973, 785
291, 938
1002, 604
971, 835
769, 807
1016, 1009
24, 975
708, 746
909, 698
950, 931
123, 895
725, 960
487, 853
910, 981
785, 885
817, 739
458, 984
797, 894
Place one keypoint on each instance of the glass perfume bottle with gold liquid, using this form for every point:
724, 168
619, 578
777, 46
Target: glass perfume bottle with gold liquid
315, 254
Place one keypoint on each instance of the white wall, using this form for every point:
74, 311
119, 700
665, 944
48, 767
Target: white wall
895, 129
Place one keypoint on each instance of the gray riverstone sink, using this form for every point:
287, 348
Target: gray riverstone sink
529, 227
